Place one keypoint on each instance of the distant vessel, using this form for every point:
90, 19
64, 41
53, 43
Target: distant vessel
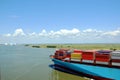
5, 43
102, 71
11, 44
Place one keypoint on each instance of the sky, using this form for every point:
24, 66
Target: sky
59, 21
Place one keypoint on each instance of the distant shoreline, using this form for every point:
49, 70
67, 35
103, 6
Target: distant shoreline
78, 46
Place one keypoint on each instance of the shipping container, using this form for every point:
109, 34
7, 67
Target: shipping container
76, 56
103, 55
115, 54
88, 55
77, 51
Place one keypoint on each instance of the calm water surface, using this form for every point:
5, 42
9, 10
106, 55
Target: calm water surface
26, 63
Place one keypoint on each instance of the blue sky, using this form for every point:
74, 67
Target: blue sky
34, 21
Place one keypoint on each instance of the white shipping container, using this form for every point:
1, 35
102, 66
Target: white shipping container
115, 54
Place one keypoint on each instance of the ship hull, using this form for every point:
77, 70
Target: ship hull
98, 71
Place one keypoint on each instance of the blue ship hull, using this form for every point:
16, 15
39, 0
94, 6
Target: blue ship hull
98, 71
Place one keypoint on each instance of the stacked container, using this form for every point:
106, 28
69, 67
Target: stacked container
103, 56
115, 56
77, 54
88, 55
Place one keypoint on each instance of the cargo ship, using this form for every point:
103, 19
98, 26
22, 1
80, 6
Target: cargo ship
97, 64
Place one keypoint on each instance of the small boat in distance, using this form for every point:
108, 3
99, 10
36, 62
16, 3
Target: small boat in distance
100, 64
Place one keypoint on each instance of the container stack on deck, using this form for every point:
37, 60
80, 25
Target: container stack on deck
89, 55
77, 54
115, 56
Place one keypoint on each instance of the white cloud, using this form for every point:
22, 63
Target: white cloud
68, 32
91, 30
43, 33
18, 32
64, 35
88, 30
8, 35
113, 33
53, 34
60, 33
32, 34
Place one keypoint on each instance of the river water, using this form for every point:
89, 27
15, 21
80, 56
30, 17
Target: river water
26, 63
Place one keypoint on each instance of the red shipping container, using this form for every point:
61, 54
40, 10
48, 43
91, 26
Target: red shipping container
102, 57
88, 55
